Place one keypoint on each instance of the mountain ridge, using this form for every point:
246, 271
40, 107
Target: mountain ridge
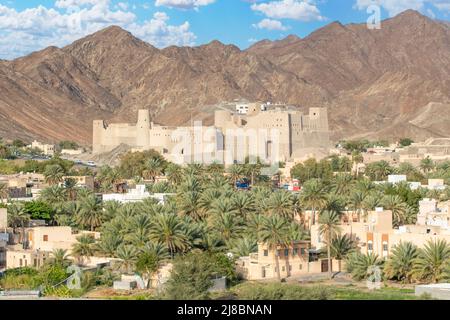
374, 82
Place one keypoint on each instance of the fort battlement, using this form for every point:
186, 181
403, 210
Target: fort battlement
295, 131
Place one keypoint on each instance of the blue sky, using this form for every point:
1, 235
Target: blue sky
29, 25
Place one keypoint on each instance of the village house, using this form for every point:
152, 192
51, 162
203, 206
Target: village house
296, 259
377, 235
85, 182
135, 195
46, 149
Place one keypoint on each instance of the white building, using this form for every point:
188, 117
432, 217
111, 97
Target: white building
135, 195
46, 149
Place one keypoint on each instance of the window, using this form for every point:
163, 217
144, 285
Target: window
279, 253
35, 263
286, 252
370, 246
302, 251
295, 252
385, 246
283, 268
290, 268
20, 262
266, 253
45, 237
300, 267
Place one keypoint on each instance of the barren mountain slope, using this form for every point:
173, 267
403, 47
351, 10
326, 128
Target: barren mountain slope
376, 83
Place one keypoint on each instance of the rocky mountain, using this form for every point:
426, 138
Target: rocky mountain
385, 83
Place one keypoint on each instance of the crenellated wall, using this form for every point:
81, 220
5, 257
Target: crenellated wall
291, 131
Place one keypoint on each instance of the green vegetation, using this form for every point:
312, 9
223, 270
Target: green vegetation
405, 142
362, 145
70, 145
406, 264
207, 217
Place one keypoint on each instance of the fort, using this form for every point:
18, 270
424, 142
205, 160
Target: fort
259, 130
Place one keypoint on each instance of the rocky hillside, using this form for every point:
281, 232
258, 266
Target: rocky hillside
386, 83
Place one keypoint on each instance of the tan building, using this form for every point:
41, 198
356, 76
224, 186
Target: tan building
86, 182
294, 260
40, 243
46, 149
437, 149
3, 219
25, 258
280, 134
377, 235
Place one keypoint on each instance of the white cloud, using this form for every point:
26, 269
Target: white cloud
394, 7
270, 24
123, 5
36, 28
157, 32
183, 4
302, 10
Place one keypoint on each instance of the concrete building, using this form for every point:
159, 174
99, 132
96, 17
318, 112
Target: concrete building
432, 213
46, 149
294, 260
377, 235
3, 219
135, 195
86, 182
278, 133
40, 242
25, 258
437, 149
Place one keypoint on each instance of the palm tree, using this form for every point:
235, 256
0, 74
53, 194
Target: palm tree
357, 158
378, 170
17, 217
356, 200
150, 258
400, 264
91, 212
60, 257
70, 186
228, 225
53, 174
169, 230
222, 205
243, 246
254, 224
253, 170
4, 192
243, 202
236, 172
280, 203
360, 266
53, 195
341, 246
329, 221
342, 184
190, 205
273, 234
83, 248
397, 206
313, 196
432, 262
111, 209
174, 173
128, 256
140, 226
427, 165
108, 244
153, 169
